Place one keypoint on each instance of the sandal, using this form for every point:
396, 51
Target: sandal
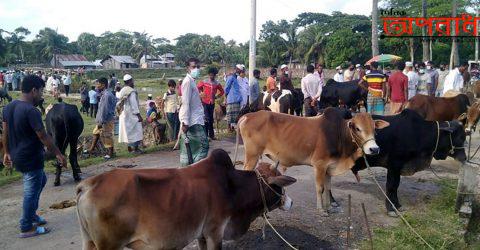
38, 231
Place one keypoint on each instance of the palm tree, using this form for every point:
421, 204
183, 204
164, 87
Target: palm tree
375, 28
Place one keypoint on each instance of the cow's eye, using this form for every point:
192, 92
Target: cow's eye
358, 130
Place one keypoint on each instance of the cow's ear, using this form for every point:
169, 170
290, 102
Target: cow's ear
448, 129
351, 124
379, 124
281, 181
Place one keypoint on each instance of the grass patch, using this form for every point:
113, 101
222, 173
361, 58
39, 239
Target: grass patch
437, 223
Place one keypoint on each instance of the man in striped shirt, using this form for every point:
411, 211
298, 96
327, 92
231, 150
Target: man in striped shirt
376, 90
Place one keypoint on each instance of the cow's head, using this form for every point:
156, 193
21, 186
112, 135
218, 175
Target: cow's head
472, 116
273, 184
451, 141
362, 128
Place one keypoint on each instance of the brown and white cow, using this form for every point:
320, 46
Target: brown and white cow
169, 208
328, 143
473, 115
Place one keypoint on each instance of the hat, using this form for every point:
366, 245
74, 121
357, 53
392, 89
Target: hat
283, 66
408, 64
180, 79
149, 95
338, 67
358, 65
240, 66
127, 77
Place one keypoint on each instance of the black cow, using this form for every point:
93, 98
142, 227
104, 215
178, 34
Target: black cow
4, 95
408, 146
348, 93
65, 124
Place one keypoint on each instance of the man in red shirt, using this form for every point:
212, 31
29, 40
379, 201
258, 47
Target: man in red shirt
397, 91
210, 90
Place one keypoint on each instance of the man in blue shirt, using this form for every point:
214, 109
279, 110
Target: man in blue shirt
23, 139
105, 119
234, 98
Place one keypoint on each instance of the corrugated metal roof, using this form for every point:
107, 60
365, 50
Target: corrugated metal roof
72, 57
123, 59
76, 63
98, 62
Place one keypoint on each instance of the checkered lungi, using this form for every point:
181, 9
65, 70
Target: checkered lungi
375, 105
233, 109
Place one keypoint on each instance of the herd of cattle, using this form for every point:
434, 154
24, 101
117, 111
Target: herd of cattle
139, 208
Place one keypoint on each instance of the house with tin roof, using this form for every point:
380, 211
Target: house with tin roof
72, 61
119, 62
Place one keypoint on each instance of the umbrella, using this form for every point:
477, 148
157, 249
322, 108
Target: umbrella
383, 58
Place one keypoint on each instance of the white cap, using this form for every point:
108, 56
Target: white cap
408, 64
358, 65
127, 77
149, 95
338, 67
283, 66
240, 66
180, 79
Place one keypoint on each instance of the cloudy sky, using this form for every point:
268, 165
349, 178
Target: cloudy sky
161, 18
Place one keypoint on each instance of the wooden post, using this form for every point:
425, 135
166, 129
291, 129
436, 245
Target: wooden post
468, 195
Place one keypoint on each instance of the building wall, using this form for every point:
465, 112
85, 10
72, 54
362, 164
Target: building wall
111, 64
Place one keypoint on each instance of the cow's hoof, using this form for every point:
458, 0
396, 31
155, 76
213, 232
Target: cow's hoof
335, 210
335, 204
401, 209
56, 183
392, 214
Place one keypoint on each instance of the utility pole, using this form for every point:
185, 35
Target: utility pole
253, 40
476, 38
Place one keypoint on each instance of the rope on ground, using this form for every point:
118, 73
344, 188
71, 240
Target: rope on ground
393, 205
279, 235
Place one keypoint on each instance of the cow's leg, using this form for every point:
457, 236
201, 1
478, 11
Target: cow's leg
333, 202
320, 173
393, 181
252, 155
73, 158
58, 170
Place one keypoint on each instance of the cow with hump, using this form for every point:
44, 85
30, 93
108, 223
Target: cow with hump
328, 143
409, 144
169, 208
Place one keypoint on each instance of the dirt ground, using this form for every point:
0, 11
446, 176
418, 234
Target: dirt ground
301, 226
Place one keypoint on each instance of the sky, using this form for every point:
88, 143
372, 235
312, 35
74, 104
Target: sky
162, 18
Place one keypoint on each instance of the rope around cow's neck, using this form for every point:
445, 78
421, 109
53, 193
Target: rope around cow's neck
266, 210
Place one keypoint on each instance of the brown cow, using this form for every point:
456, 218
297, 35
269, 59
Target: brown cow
473, 115
169, 208
327, 142
439, 108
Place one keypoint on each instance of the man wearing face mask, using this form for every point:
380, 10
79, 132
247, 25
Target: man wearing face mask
424, 80
192, 117
338, 77
24, 137
349, 73
432, 72
442, 74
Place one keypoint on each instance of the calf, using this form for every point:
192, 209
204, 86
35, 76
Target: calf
65, 124
439, 108
328, 143
409, 144
169, 208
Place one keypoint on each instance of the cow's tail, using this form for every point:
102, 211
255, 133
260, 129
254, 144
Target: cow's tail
238, 138
83, 211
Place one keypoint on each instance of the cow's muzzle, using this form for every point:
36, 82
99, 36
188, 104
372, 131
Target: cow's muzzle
287, 203
370, 147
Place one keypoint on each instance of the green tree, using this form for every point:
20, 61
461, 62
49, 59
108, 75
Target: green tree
88, 44
48, 42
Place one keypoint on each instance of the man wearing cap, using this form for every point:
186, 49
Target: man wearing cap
192, 117
244, 87
338, 77
412, 79
234, 98
454, 80
349, 73
360, 72
105, 119
130, 120
285, 78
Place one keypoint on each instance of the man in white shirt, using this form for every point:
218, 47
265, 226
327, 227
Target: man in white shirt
338, 77
412, 79
349, 73
312, 90
454, 79
67, 80
130, 120
192, 118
